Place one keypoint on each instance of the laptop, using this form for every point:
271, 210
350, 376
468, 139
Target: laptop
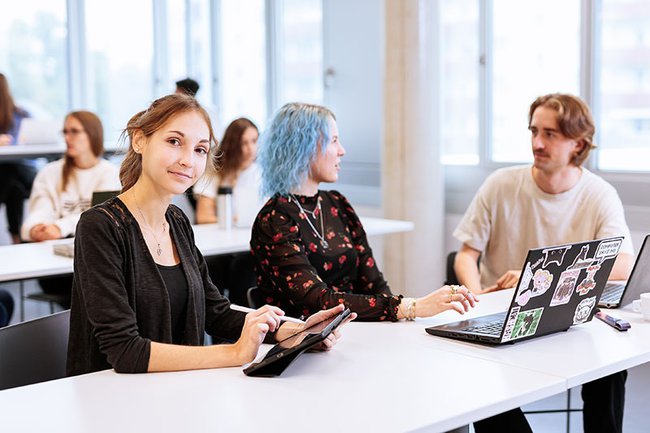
618, 293
559, 287
100, 197
33, 131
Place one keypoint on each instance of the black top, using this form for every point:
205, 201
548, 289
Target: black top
119, 300
301, 276
176, 285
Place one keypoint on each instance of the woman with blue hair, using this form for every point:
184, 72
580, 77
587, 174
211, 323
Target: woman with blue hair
310, 248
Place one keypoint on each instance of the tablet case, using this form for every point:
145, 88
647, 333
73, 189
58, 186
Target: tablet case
279, 358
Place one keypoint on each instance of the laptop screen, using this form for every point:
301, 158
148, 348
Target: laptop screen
560, 287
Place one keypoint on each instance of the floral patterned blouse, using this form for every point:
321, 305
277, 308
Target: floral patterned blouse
301, 274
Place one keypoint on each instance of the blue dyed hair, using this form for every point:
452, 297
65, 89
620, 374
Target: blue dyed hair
290, 144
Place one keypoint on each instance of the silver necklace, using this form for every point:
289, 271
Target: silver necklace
153, 233
320, 236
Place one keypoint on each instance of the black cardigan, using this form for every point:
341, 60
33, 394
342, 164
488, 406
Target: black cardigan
119, 300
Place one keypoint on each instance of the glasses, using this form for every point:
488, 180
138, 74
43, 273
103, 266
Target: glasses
72, 131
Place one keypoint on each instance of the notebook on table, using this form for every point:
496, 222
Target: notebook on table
619, 293
559, 287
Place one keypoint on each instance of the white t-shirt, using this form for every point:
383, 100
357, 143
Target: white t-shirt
49, 205
510, 214
246, 200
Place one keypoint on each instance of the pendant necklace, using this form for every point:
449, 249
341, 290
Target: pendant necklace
158, 248
320, 236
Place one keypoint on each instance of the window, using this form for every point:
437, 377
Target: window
536, 48
242, 83
119, 60
33, 56
624, 86
176, 41
301, 52
459, 86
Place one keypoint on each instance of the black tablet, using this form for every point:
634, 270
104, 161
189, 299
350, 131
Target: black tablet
286, 351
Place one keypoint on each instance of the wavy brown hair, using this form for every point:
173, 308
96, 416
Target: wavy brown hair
7, 106
231, 155
92, 125
574, 120
151, 120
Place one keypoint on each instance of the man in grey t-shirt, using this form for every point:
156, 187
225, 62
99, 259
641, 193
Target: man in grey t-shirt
552, 202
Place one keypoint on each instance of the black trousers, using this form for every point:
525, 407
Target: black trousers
602, 412
16, 179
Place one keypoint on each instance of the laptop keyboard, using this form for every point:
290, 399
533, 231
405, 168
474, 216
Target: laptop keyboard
493, 327
612, 292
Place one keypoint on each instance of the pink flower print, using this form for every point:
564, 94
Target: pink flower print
312, 247
327, 266
277, 237
370, 262
334, 211
293, 229
372, 302
342, 259
330, 234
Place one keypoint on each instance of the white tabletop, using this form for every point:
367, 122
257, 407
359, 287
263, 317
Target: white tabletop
381, 377
596, 349
34, 260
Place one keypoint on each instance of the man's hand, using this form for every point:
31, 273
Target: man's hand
506, 281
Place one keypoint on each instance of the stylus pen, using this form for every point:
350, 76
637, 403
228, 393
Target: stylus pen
250, 310
618, 324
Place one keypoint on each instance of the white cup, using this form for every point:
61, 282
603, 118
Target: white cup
642, 305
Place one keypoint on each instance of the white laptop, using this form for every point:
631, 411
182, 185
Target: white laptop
35, 131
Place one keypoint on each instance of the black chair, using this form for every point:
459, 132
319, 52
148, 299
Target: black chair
34, 351
255, 297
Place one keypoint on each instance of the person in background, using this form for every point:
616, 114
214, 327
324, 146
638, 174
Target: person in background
6, 307
309, 246
16, 177
233, 273
63, 189
187, 86
142, 297
554, 201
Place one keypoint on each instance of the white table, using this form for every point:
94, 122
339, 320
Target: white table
36, 260
383, 377
594, 349
375, 380
51, 150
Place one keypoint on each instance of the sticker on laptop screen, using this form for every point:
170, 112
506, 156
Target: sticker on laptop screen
608, 249
583, 310
542, 280
555, 255
589, 282
564, 289
526, 323
582, 261
510, 323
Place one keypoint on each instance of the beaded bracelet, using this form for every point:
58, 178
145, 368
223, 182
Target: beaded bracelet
410, 309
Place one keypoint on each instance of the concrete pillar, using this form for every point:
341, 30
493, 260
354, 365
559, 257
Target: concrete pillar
412, 176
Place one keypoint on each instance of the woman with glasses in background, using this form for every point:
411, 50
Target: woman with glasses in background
63, 189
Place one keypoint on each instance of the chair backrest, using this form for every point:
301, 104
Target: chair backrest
34, 351
450, 277
100, 197
451, 273
255, 297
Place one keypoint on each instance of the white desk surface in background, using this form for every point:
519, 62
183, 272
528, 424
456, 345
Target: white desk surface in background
34, 260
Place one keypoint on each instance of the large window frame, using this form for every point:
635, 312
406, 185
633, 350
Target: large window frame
588, 82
